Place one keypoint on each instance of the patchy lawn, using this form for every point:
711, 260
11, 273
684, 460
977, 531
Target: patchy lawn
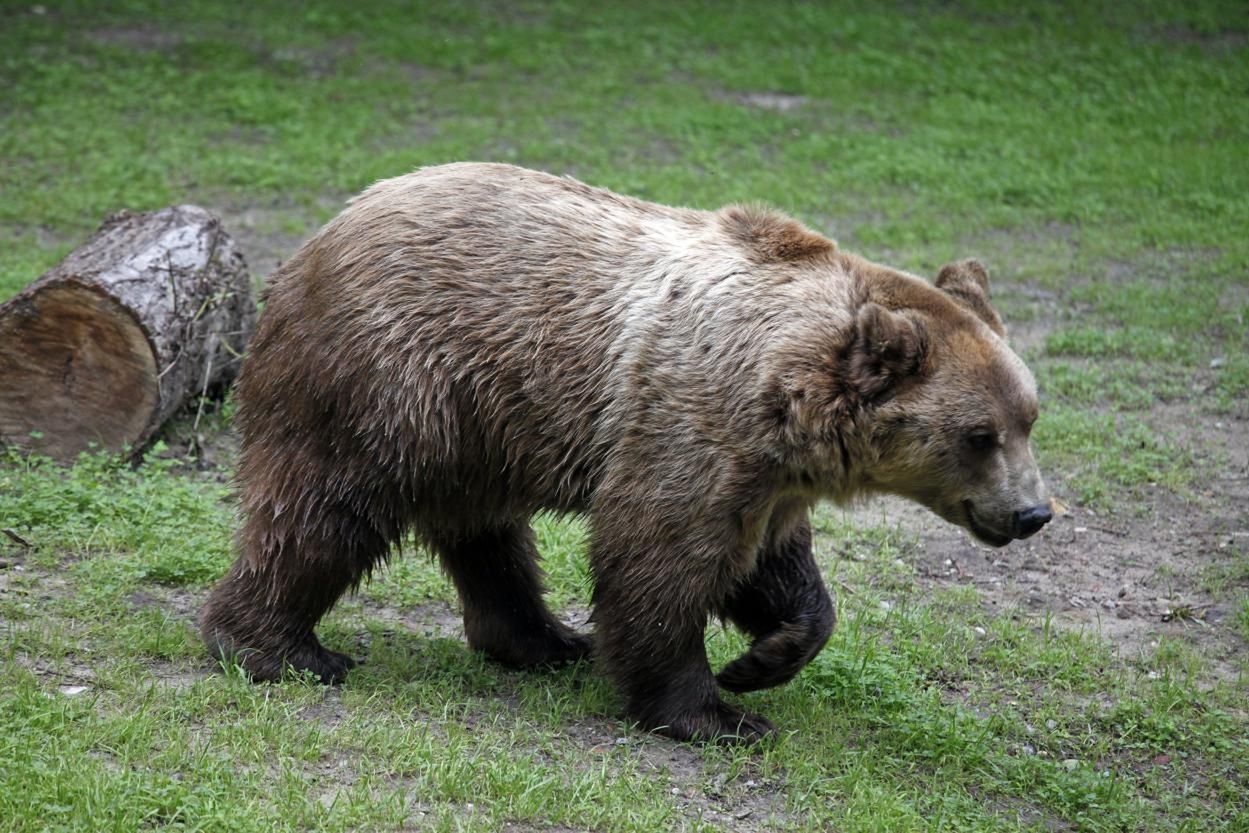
1094, 678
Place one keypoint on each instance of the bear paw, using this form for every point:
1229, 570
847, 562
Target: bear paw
329, 667
719, 723
553, 645
266, 665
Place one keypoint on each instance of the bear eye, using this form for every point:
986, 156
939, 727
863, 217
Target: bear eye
982, 441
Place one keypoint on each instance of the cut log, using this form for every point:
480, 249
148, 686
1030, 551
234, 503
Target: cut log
106, 346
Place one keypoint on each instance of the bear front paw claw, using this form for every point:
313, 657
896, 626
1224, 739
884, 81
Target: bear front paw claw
719, 723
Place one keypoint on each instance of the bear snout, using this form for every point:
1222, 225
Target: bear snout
1027, 522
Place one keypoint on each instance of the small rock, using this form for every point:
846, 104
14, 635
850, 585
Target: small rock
1123, 591
621, 741
979, 631
73, 690
1217, 362
676, 791
886, 605
1051, 724
1109, 604
1031, 564
39, 10
1030, 729
1070, 763
1123, 613
1029, 749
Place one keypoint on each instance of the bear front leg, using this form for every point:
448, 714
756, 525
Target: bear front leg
785, 606
651, 603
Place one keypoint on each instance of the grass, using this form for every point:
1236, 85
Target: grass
1094, 157
925, 712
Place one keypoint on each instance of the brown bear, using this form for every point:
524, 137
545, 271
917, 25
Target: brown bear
472, 343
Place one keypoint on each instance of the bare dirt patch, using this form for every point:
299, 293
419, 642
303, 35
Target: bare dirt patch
1133, 576
269, 234
138, 38
777, 102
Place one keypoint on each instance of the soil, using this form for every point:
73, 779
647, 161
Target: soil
1144, 572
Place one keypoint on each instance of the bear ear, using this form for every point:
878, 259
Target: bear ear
889, 347
967, 282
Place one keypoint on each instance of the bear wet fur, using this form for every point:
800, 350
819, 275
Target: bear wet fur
470, 344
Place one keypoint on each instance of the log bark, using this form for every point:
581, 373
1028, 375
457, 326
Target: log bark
104, 347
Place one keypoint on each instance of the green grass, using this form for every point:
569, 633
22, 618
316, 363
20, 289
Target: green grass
1094, 156
924, 712
1096, 153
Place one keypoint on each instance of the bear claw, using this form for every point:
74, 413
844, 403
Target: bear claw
309, 656
554, 647
721, 724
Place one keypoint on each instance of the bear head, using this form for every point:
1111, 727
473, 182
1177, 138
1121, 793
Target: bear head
949, 406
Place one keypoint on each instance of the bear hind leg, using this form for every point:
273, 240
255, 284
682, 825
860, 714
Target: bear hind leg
496, 573
262, 614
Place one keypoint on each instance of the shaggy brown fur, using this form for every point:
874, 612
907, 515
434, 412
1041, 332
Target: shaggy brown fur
469, 344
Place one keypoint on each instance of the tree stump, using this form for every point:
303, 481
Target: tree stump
105, 346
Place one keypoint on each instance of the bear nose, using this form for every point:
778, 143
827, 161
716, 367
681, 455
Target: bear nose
1029, 521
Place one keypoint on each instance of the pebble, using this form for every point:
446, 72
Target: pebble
1051, 724
676, 791
73, 690
1029, 749
1123, 591
1070, 763
1109, 604
979, 631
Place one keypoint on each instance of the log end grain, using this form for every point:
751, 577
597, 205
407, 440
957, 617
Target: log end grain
80, 370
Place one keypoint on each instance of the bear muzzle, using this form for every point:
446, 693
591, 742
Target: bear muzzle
1028, 522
